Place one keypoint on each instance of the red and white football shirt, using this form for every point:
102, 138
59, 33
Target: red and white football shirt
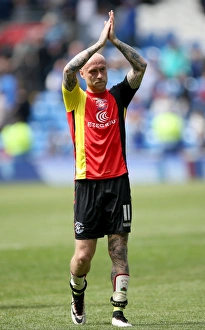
97, 126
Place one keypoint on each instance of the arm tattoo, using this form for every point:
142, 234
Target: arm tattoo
132, 56
71, 69
134, 81
138, 64
69, 78
117, 246
69, 81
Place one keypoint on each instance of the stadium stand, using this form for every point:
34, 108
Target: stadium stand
46, 34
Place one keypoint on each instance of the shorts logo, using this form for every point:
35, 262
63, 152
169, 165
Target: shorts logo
79, 228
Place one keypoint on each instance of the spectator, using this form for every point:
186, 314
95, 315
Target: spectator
173, 61
54, 78
168, 128
17, 138
8, 87
197, 59
6, 9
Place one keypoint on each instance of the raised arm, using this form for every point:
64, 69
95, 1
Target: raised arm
72, 67
136, 61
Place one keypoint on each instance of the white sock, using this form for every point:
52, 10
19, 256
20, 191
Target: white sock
76, 282
121, 287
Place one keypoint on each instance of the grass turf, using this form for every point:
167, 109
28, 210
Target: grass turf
166, 255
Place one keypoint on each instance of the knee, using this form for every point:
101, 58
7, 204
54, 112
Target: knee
84, 252
82, 258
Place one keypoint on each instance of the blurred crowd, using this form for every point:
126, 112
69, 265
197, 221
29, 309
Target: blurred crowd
37, 38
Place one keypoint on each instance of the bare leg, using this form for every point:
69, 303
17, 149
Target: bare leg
117, 247
79, 267
81, 261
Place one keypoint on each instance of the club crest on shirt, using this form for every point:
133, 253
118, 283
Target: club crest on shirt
101, 105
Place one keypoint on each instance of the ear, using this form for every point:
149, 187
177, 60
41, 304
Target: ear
81, 73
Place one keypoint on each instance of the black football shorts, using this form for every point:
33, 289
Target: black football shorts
102, 207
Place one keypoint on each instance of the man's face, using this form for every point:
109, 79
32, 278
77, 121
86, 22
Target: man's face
95, 74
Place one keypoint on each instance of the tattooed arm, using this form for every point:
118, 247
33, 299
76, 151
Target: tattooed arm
72, 67
138, 64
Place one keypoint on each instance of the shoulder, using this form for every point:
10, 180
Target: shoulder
76, 92
123, 85
70, 92
122, 92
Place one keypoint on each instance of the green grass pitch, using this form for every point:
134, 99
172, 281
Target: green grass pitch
166, 256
